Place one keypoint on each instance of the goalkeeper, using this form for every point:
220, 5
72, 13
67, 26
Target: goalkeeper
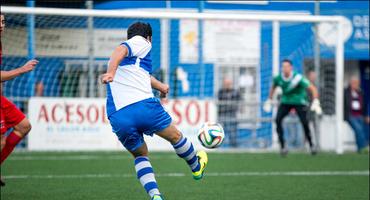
294, 96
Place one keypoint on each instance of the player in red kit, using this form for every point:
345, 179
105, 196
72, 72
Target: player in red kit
10, 115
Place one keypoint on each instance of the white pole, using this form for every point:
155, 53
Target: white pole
339, 61
90, 38
166, 15
165, 42
275, 69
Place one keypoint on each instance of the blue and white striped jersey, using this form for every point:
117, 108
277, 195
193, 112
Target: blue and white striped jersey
131, 82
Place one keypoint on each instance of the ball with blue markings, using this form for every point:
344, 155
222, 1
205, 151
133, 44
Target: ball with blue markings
211, 135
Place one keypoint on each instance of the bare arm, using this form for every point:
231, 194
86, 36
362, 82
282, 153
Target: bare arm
272, 90
156, 84
117, 56
315, 105
267, 106
8, 75
313, 90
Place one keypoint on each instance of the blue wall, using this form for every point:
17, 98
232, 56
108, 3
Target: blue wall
355, 48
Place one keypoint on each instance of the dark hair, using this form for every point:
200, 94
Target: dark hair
288, 61
139, 28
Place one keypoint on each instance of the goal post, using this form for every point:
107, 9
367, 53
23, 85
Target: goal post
59, 19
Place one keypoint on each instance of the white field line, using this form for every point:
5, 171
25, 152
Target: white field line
85, 157
212, 174
24, 157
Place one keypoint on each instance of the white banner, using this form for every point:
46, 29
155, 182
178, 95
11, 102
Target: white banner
188, 38
230, 41
81, 123
70, 42
224, 41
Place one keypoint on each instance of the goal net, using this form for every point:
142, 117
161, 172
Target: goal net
219, 67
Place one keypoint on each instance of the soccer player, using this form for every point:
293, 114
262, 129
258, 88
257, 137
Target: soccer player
133, 111
294, 87
10, 115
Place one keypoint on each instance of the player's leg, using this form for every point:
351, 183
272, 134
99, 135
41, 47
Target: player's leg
144, 171
13, 118
302, 114
124, 125
356, 125
282, 112
152, 118
185, 150
135, 144
19, 132
3, 138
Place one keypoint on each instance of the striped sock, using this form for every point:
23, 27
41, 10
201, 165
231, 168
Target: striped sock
145, 174
184, 149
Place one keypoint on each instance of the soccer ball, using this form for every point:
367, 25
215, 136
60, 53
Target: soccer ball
211, 135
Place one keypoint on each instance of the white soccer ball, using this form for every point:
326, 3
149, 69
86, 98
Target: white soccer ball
211, 135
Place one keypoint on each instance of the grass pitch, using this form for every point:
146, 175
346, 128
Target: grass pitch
229, 176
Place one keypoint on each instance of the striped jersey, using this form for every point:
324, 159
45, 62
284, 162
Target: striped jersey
131, 82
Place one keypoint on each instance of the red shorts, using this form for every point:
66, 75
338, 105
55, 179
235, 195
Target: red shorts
10, 115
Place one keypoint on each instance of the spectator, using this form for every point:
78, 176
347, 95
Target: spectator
227, 110
39, 89
355, 113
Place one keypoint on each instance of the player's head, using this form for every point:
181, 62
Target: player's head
311, 75
287, 67
2, 22
140, 28
355, 83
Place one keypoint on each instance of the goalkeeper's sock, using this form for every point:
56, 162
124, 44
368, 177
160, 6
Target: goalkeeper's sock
185, 150
145, 174
11, 141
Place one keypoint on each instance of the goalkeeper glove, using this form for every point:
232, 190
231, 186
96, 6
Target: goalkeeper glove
267, 106
316, 107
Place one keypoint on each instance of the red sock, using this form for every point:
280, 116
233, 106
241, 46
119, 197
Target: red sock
11, 141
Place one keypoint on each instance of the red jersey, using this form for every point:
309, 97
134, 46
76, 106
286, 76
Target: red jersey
1, 52
10, 115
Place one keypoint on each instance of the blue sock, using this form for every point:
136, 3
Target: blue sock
184, 149
145, 174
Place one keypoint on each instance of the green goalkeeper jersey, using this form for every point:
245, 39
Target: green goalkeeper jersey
294, 89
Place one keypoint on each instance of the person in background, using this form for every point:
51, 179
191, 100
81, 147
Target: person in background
294, 87
229, 98
39, 89
355, 113
312, 116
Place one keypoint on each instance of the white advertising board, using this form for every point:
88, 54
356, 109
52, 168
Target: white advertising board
81, 123
224, 41
70, 42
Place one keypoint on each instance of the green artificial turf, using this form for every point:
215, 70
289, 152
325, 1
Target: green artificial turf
229, 176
